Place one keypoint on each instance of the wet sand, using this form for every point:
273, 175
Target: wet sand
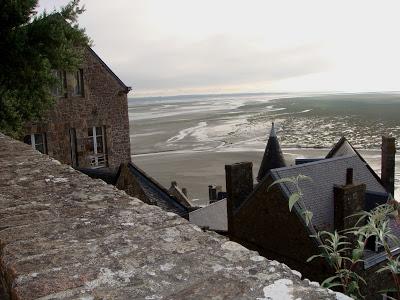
196, 170
189, 139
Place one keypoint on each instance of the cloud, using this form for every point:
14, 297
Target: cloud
174, 46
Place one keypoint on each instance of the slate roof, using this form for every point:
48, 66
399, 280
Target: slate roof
107, 175
344, 148
156, 192
273, 157
318, 193
175, 191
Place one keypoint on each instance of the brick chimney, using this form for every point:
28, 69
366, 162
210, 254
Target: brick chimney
239, 184
348, 200
388, 163
212, 193
184, 191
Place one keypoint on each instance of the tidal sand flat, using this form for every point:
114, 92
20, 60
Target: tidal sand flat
191, 138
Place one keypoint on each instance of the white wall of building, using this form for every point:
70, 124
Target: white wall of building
213, 216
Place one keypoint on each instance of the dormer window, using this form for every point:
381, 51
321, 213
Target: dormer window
78, 83
60, 88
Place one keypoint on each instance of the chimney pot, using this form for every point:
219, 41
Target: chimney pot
388, 163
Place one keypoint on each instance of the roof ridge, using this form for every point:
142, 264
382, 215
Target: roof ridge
322, 161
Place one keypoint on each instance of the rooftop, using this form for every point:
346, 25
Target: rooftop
64, 235
324, 174
155, 192
273, 157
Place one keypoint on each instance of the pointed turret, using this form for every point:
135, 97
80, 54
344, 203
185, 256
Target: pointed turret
273, 157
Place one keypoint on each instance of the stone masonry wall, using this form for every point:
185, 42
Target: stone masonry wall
104, 103
66, 236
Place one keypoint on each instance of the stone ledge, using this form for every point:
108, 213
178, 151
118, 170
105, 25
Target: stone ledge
66, 236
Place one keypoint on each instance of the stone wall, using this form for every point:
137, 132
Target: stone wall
66, 236
104, 103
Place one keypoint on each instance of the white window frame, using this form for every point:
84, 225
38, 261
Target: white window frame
98, 160
33, 142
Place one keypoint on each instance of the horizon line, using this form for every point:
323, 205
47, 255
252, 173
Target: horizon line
263, 93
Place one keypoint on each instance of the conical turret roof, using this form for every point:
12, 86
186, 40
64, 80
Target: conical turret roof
273, 157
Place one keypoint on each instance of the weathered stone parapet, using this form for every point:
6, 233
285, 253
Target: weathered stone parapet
66, 236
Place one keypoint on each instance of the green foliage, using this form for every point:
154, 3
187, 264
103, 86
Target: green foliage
293, 199
344, 251
342, 257
307, 214
32, 46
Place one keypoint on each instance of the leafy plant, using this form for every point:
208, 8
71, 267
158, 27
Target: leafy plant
377, 226
345, 250
338, 252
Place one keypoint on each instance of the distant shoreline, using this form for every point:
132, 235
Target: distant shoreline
221, 150
205, 95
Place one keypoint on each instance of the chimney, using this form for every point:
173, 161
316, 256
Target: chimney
212, 193
184, 191
209, 192
174, 183
388, 163
348, 199
349, 176
239, 184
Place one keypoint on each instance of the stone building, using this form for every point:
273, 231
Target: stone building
89, 126
342, 184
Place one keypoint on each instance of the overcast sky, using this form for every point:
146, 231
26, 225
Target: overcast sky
164, 47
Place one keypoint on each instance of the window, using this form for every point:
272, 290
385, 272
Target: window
38, 141
60, 88
78, 83
97, 149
